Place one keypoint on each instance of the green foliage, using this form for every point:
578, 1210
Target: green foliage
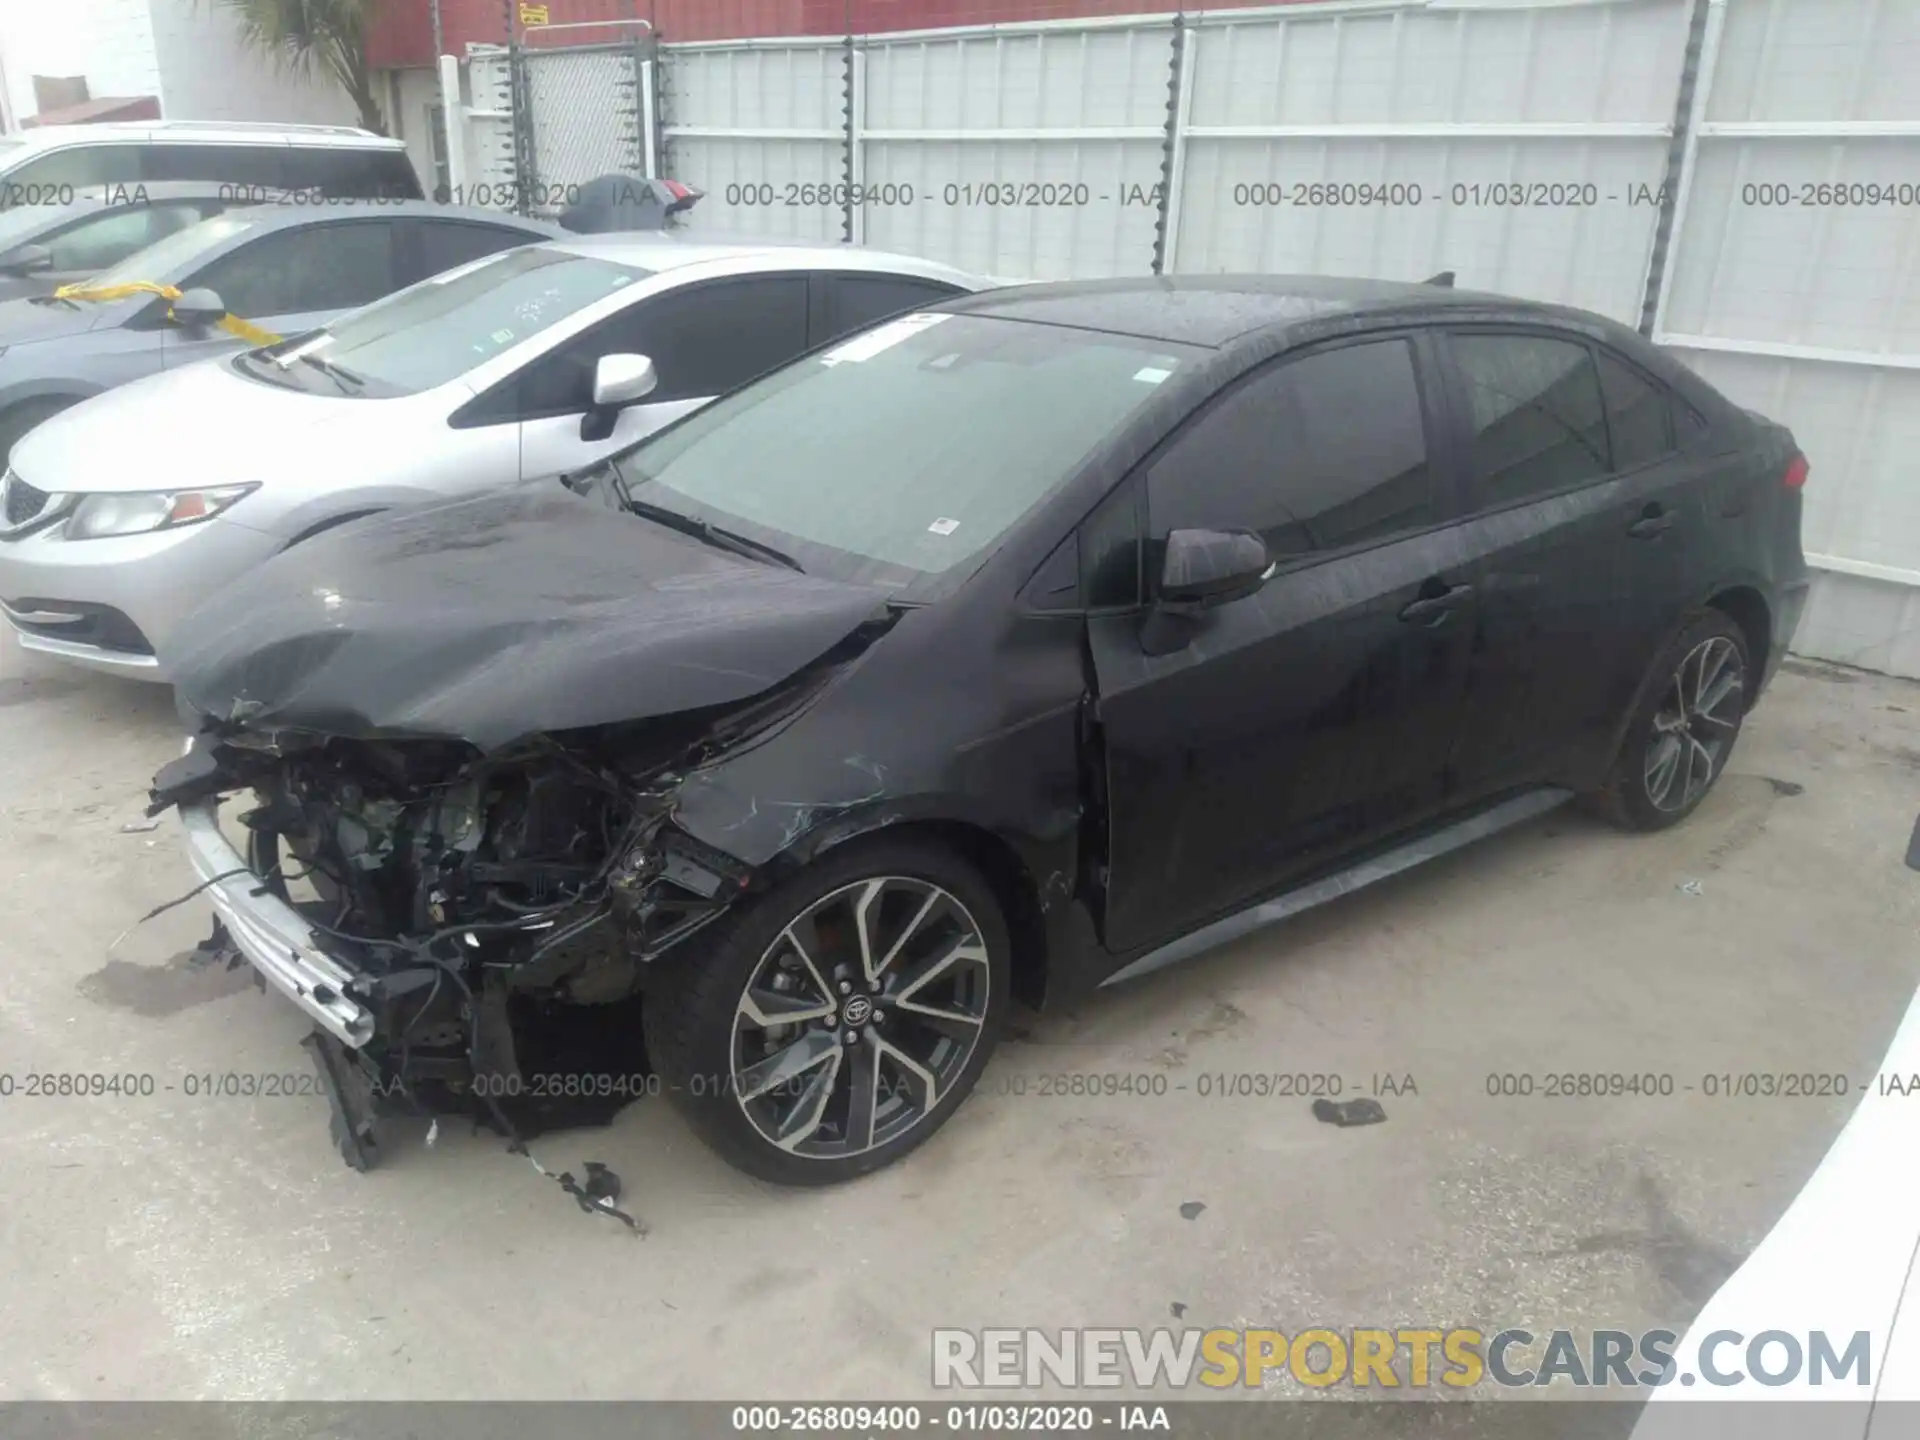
309, 36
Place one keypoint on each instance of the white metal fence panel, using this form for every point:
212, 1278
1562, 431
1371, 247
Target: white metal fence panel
1795, 286
1522, 146
1026, 153
1522, 149
760, 127
487, 176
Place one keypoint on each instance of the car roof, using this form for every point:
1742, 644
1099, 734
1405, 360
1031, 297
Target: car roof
193, 132
1214, 311
660, 251
287, 215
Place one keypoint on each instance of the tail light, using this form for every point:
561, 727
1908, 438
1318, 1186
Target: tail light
685, 197
1796, 475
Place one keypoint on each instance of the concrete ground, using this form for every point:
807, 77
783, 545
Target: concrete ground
167, 1247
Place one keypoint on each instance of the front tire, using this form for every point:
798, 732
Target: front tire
836, 1022
1682, 732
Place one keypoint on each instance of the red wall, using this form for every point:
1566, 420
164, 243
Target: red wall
402, 33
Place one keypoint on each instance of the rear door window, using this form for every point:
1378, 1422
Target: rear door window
1639, 414
262, 165
853, 302
1538, 420
343, 173
430, 246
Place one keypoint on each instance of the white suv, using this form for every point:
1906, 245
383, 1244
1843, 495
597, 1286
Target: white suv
46, 166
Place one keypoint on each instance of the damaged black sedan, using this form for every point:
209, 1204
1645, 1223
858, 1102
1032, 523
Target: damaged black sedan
1007, 649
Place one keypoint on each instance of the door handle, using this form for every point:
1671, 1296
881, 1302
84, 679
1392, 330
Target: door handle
1435, 608
1653, 523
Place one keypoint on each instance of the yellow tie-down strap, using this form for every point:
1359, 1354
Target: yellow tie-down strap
232, 324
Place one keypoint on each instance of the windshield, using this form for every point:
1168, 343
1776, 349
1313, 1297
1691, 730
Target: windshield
18, 223
438, 330
166, 260
899, 458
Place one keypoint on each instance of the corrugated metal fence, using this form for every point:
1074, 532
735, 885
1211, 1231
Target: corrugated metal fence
1537, 147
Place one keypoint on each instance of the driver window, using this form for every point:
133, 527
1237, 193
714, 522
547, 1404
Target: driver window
1316, 453
103, 240
304, 269
704, 341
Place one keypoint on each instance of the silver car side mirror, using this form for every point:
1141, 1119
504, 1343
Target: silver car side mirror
622, 379
199, 306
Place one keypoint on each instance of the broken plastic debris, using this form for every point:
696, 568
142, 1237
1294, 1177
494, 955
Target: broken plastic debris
1348, 1112
139, 827
1691, 887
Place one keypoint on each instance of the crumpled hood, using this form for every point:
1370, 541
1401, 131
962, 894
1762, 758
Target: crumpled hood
498, 617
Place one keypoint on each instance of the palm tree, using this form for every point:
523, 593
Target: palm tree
303, 36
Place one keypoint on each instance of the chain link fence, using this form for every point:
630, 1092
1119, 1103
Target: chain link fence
580, 110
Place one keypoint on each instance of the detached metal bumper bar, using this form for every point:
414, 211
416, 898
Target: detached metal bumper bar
274, 937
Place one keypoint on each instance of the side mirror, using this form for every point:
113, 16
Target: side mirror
618, 381
1205, 568
26, 260
199, 306
622, 379
1201, 570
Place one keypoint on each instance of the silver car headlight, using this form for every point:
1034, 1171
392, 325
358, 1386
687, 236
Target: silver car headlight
134, 513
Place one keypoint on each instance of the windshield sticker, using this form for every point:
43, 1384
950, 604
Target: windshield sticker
865, 347
943, 526
1151, 375
501, 337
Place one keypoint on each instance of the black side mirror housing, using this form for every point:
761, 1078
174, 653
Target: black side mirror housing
26, 260
1205, 568
1200, 571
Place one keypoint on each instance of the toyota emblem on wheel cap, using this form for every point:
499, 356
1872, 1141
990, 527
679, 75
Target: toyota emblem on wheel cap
857, 1010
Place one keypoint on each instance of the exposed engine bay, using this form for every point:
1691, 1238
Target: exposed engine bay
498, 910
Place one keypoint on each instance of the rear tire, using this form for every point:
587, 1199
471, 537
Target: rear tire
16, 422
1683, 728
896, 943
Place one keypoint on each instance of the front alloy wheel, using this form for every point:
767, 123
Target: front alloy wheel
859, 1017
1695, 726
834, 1023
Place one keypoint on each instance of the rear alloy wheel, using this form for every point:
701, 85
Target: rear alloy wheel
1684, 727
1694, 727
843, 1018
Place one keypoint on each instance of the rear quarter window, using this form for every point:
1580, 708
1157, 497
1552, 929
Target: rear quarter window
50, 179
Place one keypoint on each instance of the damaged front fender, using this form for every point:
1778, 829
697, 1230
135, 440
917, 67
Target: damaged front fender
899, 740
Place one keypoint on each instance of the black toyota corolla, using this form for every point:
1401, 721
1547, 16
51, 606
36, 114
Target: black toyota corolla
1006, 649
